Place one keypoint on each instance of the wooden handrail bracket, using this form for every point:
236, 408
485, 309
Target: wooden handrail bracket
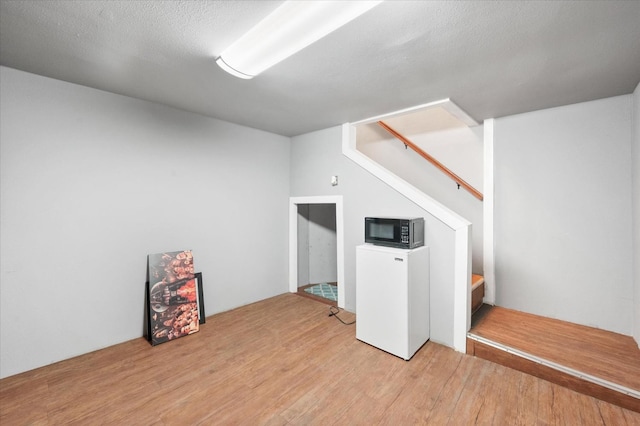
461, 182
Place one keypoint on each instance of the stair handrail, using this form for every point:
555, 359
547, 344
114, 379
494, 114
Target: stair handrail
461, 182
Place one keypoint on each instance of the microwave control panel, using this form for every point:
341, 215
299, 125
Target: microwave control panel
404, 234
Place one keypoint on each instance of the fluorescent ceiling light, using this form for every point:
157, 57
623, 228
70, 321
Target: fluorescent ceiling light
290, 28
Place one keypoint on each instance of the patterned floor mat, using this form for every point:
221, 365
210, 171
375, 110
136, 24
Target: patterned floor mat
328, 291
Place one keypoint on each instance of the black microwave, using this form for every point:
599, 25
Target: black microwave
398, 232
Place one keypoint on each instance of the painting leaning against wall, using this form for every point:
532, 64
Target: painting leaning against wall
172, 296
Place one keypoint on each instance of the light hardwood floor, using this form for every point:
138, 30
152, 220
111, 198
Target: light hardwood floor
285, 361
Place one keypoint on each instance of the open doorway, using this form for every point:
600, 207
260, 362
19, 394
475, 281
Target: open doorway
316, 241
317, 260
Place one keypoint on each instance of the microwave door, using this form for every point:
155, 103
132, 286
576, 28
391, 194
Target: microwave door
384, 231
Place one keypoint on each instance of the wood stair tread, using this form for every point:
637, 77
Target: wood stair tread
476, 281
599, 354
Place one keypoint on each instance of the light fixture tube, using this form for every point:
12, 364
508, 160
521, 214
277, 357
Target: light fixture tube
290, 28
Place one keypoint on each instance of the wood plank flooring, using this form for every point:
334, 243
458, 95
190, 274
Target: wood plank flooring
285, 361
602, 354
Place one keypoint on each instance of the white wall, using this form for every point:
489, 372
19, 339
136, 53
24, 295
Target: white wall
636, 210
315, 157
563, 213
303, 245
459, 149
92, 182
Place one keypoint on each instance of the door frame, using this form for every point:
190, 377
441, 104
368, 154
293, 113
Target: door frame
293, 240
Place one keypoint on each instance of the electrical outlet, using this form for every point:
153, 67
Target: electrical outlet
334, 180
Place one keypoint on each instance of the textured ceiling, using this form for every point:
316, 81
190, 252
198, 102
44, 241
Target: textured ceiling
491, 58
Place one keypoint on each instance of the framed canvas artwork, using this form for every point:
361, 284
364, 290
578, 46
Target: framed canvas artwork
172, 296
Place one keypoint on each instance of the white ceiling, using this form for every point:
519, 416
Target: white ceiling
491, 58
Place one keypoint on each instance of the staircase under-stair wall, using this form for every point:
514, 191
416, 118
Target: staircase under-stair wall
453, 281
452, 126
553, 350
458, 149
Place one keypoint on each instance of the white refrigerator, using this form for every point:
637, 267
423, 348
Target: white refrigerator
392, 298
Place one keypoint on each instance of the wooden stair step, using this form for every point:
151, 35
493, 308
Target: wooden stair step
560, 352
477, 291
476, 281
